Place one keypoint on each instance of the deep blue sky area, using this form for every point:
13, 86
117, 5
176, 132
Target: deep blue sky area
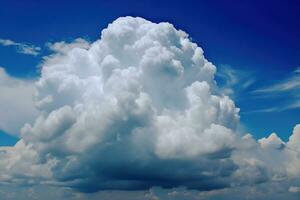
262, 37
7, 140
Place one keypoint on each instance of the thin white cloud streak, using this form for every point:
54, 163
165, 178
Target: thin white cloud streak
234, 81
278, 108
289, 87
285, 86
22, 48
289, 84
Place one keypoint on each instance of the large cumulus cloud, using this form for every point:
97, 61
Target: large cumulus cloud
135, 109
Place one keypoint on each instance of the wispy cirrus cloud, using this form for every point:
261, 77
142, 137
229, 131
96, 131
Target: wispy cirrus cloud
234, 81
290, 83
289, 88
22, 48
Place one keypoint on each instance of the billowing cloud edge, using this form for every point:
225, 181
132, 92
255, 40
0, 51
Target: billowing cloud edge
16, 102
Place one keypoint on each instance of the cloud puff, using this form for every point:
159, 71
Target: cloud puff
64, 47
16, 103
22, 47
135, 109
294, 189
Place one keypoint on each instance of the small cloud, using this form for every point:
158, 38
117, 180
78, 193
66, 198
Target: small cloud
297, 70
63, 47
29, 50
273, 141
151, 195
6, 42
22, 48
294, 189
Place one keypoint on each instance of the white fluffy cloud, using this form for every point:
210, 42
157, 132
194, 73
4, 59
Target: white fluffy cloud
138, 108
16, 103
65, 47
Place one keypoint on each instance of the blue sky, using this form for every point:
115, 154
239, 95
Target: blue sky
258, 38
